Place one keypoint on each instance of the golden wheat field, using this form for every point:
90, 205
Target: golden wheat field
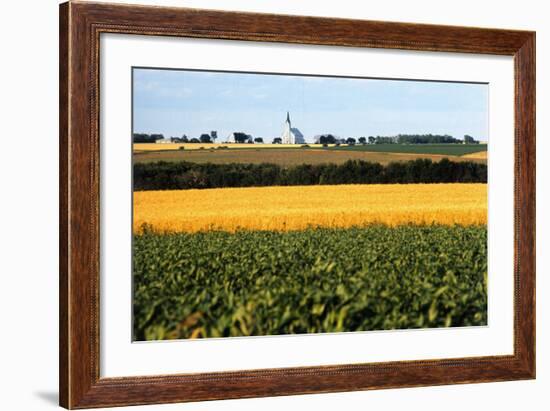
139, 147
299, 207
482, 155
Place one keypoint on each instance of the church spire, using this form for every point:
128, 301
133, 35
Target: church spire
288, 117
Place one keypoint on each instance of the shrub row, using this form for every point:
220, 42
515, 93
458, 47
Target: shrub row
186, 175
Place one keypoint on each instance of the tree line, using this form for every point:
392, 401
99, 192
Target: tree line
186, 175
241, 137
398, 139
152, 138
421, 139
147, 138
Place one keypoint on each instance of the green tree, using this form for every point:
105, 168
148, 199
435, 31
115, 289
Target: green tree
241, 137
205, 138
143, 138
470, 140
327, 139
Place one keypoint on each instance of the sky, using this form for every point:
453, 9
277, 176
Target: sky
177, 102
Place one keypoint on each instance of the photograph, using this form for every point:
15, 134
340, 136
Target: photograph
275, 204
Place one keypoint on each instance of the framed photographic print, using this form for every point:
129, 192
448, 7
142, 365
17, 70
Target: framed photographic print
256, 205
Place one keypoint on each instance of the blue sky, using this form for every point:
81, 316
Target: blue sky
176, 102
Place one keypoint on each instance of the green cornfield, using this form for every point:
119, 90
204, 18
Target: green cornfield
220, 284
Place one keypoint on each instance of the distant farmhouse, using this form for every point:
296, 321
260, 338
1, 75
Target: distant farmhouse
291, 135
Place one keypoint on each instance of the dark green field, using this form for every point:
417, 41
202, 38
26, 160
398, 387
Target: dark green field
439, 149
218, 284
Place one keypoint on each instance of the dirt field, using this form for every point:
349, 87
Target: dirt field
286, 156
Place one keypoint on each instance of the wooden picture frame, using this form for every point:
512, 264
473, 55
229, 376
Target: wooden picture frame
80, 27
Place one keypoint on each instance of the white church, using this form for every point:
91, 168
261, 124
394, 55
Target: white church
291, 135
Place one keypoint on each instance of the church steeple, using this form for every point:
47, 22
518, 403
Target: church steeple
291, 135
